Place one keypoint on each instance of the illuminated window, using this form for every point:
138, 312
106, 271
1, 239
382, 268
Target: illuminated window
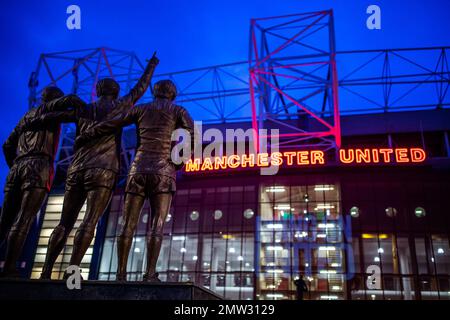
51, 219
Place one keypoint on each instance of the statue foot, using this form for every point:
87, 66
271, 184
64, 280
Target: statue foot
121, 277
45, 276
151, 277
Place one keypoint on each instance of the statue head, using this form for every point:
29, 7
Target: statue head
50, 93
165, 89
107, 87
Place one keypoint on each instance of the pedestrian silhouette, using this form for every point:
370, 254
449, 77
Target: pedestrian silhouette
301, 287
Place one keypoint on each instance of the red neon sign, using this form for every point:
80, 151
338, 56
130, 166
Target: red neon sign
308, 158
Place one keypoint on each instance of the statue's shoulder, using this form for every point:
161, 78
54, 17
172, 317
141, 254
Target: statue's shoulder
178, 108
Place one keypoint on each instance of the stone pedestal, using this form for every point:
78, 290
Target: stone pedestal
102, 290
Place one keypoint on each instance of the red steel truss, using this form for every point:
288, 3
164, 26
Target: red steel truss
293, 79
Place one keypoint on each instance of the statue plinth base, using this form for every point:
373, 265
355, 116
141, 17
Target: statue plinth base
102, 290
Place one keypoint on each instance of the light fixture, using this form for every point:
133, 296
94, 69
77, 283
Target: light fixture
335, 288
248, 213
380, 250
321, 235
328, 297
420, 212
327, 248
217, 214
276, 189
274, 295
327, 271
324, 206
274, 271
183, 250
240, 258
274, 248
195, 258
323, 188
376, 259
440, 251
282, 207
274, 226
335, 265
325, 225
354, 212
194, 215
137, 250
178, 238
231, 250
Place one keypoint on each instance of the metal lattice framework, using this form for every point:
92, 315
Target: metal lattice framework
394, 79
370, 81
293, 79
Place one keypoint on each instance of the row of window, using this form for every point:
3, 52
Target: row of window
391, 212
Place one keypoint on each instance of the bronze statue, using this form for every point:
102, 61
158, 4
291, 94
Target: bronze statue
152, 174
30, 156
94, 168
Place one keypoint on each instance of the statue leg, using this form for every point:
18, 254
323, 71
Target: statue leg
31, 203
11, 203
131, 212
160, 206
10, 209
73, 202
97, 202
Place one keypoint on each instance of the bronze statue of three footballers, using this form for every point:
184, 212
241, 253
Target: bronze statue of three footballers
93, 172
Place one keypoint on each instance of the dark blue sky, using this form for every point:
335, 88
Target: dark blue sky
188, 34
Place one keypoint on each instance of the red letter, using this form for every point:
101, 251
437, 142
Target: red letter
401, 155
317, 157
233, 161
418, 155
302, 157
276, 159
386, 154
262, 160
207, 164
250, 160
349, 159
220, 162
375, 157
290, 157
362, 155
192, 165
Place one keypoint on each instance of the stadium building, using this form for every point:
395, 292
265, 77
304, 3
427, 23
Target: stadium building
358, 205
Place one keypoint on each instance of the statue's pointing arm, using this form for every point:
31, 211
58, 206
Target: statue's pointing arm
142, 85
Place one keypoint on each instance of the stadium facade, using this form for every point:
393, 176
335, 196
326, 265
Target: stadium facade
248, 236
363, 189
